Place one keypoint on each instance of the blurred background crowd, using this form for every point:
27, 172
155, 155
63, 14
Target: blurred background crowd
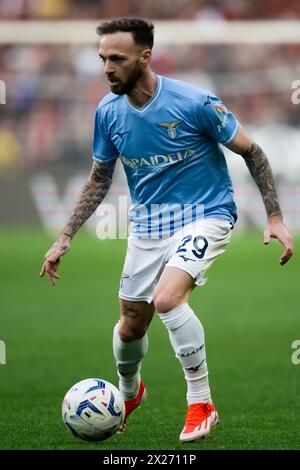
53, 91
156, 9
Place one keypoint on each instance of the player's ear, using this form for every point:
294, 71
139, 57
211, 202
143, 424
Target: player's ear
146, 57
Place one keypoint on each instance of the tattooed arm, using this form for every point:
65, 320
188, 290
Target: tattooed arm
91, 196
261, 172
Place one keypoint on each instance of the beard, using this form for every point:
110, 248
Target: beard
124, 88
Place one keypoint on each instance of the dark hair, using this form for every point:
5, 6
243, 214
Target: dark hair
142, 30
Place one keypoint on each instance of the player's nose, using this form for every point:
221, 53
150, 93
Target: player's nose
108, 67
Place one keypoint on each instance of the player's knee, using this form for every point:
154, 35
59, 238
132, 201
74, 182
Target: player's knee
128, 334
164, 302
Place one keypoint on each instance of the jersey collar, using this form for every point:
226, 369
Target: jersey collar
142, 109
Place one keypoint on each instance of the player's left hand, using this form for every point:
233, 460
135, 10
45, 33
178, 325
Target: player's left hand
277, 229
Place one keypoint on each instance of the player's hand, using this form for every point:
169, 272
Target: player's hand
277, 229
52, 258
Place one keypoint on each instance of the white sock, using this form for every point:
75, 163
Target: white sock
128, 357
187, 338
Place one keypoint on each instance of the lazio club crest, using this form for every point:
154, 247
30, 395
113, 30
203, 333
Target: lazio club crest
171, 128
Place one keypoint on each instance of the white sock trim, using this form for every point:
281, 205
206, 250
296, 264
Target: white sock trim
193, 379
176, 317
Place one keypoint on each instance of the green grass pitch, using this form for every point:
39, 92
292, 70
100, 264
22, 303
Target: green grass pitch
57, 336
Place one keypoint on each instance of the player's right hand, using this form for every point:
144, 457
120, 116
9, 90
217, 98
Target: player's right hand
52, 258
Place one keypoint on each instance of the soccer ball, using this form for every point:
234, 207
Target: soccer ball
93, 409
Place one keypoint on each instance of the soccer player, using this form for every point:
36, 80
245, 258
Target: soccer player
167, 135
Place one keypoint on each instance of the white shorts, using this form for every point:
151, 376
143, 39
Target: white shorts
192, 249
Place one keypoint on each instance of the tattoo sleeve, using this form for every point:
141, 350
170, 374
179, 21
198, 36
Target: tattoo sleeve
261, 172
91, 196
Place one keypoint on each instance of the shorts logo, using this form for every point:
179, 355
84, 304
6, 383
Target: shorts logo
171, 128
123, 276
186, 259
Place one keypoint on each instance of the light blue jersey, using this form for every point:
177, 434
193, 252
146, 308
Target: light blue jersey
175, 168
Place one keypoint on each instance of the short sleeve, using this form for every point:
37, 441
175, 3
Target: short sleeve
216, 120
103, 148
